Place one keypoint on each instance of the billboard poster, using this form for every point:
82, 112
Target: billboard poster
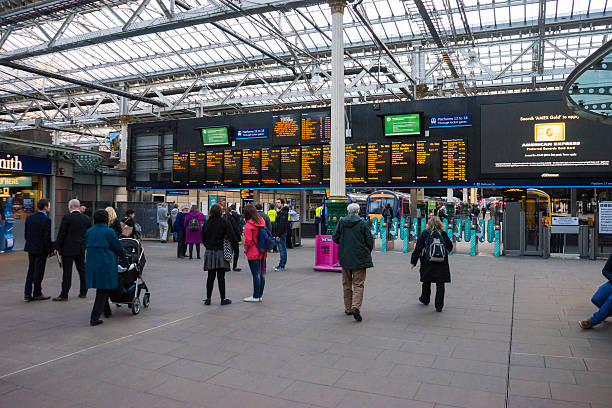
115, 145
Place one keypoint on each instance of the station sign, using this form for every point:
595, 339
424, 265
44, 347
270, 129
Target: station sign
565, 221
256, 133
177, 193
450, 121
247, 194
24, 164
23, 181
605, 217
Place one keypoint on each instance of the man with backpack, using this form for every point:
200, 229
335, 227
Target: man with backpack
355, 244
432, 248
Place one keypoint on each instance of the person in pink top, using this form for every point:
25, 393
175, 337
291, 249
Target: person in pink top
193, 229
256, 258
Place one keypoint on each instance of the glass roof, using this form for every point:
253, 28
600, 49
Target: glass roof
195, 57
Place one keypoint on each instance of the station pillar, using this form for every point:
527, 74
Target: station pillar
336, 206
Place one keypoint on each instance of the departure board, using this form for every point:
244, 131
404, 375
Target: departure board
312, 161
403, 162
326, 163
316, 127
454, 160
197, 168
251, 164
356, 163
286, 130
214, 168
428, 162
290, 165
232, 167
270, 165
180, 168
379, 162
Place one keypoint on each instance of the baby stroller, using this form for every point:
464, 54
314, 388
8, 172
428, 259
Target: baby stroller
130, 277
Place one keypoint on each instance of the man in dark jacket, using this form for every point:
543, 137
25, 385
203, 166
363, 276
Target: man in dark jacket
281, 225
438, 272
264, 216
601, 299
355, 243
179, 227
38, 246
70, 244
234, 219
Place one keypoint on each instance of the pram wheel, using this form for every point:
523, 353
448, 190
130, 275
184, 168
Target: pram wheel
146, 299
136, 306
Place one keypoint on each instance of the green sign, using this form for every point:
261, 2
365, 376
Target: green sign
215, 136
403, 125
431, 205
16, 181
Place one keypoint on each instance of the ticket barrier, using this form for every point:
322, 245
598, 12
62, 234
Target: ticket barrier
523, 232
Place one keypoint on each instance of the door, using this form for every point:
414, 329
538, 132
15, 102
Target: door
532, 226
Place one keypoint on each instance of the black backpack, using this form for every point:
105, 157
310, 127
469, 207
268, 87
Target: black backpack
434, 250
194, 225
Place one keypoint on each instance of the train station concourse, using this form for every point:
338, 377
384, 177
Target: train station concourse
306, 203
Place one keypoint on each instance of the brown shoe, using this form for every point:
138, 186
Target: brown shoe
585, 324
59, 299
27, 298
41, 297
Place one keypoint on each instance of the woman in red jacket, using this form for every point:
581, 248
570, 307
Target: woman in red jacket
256, 258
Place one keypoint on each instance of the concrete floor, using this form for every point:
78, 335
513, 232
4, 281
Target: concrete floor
298, 349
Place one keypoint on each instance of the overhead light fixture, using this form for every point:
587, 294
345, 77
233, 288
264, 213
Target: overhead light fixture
472, 63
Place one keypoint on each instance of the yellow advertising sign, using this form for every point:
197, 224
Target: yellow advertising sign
549, 132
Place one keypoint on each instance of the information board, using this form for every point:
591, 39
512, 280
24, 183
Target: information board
326, 163
232, 167
605, 218
270, 165
356, 158
197, 168
286, 130
403, 162
214, 168
427, 162
403, 125
316, 127
251, 165
217, 136
180, 168
290, 165
454, 160
379, 162
312, 160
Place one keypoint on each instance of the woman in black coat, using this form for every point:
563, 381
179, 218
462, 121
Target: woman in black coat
438, 272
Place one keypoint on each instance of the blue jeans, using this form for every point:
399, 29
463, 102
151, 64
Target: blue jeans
282, 247
258, 270
603, 300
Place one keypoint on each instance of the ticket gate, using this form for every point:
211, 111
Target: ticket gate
524, 231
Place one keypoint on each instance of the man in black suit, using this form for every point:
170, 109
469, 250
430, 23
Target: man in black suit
39, 247
70, 244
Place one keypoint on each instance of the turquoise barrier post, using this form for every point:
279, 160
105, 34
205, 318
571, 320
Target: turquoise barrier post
423, 224
457, 229
414, 229
467, 229
395, 228
490, 231
374, 228
449, 232
404, 233
481, 230
472, 243
383, 235
445, 223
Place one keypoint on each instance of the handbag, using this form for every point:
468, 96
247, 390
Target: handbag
228, 252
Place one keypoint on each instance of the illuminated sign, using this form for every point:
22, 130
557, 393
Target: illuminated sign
25, 164
11, 163
549, 132
450, 121
15, 182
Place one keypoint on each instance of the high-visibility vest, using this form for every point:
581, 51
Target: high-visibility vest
272, 215
319, 212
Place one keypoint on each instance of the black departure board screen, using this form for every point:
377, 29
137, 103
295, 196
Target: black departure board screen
326, 163
312, 160
290, 165
286, 130
454, 160
403, 159
232, 167
379, 162
428, 162
356, 158
180, 168
197, 168
270, 165
316, 127
251, 165
214, 168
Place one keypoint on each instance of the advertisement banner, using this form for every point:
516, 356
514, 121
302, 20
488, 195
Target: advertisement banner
115, 145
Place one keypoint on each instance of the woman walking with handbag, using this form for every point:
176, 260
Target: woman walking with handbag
217, 236
193, 230
255, 255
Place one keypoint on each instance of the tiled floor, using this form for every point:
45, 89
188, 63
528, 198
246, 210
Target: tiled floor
298, 349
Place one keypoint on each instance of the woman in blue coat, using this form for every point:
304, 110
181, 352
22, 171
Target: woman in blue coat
103, 248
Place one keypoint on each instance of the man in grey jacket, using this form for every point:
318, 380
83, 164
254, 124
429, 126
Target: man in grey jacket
162, 222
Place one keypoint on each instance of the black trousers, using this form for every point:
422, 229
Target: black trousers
210, 282
236, 250
101, 304
426, 294
181, 248
79, 261
191, 250
36, 273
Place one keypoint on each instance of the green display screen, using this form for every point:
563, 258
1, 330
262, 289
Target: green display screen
215, 136
403, 125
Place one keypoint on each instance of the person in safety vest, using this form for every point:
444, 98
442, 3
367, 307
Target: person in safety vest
272, 216
318, 219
